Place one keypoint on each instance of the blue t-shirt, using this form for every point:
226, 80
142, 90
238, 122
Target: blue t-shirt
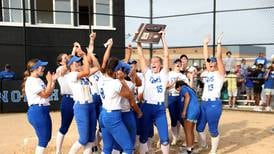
7, 75
269, 82
260, 60
191, 92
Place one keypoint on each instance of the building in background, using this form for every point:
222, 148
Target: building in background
195, 54
44, 28
51, 26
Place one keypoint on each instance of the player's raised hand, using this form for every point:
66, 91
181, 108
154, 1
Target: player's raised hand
92, 36
109, 43
49, 77
207, 39
220, 37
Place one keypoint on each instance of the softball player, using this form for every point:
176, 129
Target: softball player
128, 115
211, 106
38, 94
111, 91
173, 99
155, 82
84, 108
189, 111
67, 102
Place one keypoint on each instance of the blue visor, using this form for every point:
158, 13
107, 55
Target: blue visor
212, 60
73, 59
38, 64
124, 66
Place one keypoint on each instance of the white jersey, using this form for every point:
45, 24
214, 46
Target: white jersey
124, 101
109, 90
155, 86
64, 87
33, 87
94, 78
173, 77
140, 89
81, 89
213, 83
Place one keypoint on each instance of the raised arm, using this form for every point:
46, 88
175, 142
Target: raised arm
205, 50
90, 50
128, 53
165, 48
141, 57
109, 44
85, 71
134, 78
219, 58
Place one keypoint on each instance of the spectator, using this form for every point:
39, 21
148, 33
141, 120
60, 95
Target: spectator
7, 74
261, 60
229, 62
249, 83
240, 78
232, 88
244, 66
269, 85
258, 81
184, 60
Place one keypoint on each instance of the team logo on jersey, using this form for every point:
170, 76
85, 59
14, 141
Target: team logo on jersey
155, 80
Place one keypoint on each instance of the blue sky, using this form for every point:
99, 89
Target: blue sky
245, 27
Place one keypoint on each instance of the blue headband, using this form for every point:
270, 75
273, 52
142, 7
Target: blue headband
73, 59
38, 64
124, 66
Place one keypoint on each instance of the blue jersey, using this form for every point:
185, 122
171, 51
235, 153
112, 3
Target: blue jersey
191, 92
269, 82
7, 75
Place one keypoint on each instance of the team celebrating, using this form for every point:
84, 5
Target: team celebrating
116, 107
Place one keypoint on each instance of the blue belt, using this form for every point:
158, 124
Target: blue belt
82, 103
39, 105
157, 103
111, 110
68, 95
173, 94
211, 99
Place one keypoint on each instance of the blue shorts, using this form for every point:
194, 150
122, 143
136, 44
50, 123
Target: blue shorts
193, 112
85, 118
130, 123
175, 109
114, 130
39, 118
154, 114
211, 112
67, 114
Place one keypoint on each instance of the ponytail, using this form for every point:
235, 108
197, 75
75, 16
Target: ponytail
27, 73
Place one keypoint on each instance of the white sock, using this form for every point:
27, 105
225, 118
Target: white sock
143, 148
137, 141
75, 147
149, 143
39, 150
178, 129
174, 132
214, 144
114, 151
88, 148
202, 139
59, 142
165, 149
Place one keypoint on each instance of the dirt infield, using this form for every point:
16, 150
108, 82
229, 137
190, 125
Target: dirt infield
241, 133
